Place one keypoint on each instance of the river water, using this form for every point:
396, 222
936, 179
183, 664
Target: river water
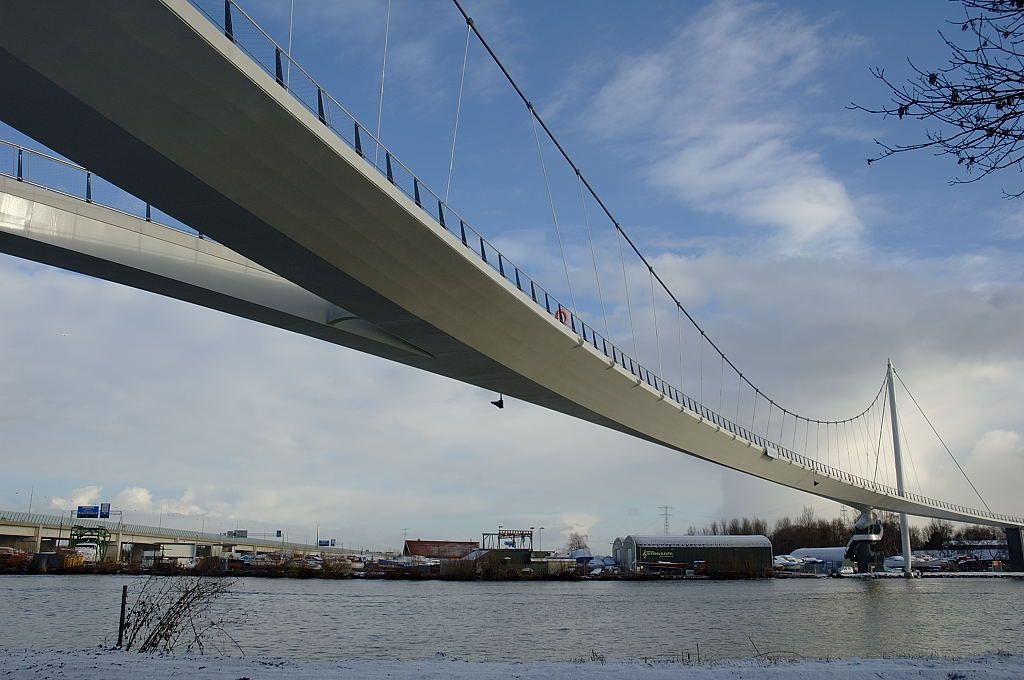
554, 621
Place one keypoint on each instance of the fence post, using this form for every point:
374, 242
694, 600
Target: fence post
416, 191
387, 159
88, 187
440, 213
149, 213
320, 105
359, 142
124, 607
278, 71
229, 32
21, 176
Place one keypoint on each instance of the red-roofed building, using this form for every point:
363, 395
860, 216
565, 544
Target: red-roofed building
440, 550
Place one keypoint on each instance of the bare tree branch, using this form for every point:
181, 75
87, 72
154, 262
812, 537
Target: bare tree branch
975, 102
168, 607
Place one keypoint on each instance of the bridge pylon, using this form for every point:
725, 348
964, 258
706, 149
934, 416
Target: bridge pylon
900, 488
1015, 548
867, 534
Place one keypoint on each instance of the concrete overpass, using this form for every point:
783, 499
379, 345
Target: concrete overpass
34, 532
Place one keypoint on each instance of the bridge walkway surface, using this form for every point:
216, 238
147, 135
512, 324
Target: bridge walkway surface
160, 100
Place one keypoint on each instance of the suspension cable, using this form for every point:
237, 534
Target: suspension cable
959, 467
906, 442
291, 24
383, 70
551, 204
861, 456
593, 254
796, 424
657, 335
849, 455
856, 445
828, 446
865, 434
597, 198
625, 284
721, 388
458, 109
881, 427
682, 381
739, 389
807, 435
701, 367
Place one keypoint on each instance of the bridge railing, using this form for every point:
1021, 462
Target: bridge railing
246, 34
250, 38
56, 174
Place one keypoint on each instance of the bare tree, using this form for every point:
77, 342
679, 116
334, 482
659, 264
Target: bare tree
975, 102
172, 612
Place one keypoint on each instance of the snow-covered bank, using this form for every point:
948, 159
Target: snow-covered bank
21, 664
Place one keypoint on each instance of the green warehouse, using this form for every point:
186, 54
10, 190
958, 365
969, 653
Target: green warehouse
717, 556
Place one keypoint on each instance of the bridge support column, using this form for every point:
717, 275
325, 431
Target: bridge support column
38, 538
863, 555
904, 525
1015, 546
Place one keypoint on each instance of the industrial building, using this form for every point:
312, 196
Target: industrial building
439, 550
718, 556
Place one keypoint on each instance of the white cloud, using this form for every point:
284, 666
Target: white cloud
717, 116
214, 419
134, 498
219, 421
996, 452
83, 495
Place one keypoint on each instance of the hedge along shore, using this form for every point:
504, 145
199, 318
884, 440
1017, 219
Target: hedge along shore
114, 665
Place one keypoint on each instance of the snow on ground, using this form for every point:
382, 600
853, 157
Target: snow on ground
114, 665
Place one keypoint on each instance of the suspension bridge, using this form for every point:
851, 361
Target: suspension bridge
209, 166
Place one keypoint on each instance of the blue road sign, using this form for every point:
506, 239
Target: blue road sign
88, 512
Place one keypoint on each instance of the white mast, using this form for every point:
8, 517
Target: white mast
904, 527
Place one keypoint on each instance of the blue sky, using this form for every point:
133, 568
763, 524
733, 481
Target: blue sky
719, 135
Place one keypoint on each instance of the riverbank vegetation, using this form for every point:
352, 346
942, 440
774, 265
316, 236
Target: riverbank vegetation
810, 531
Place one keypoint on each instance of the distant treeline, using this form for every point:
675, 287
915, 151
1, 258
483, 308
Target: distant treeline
809, 531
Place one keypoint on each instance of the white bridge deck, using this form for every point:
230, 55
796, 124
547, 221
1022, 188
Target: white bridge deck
153, 97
